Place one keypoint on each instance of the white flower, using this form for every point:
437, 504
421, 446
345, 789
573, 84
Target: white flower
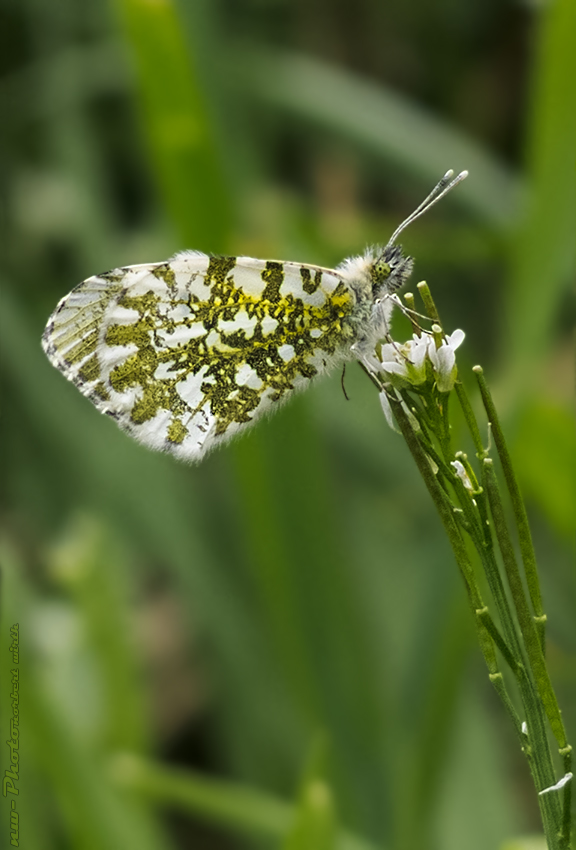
407, 363
444, 360
560, 784
462, 475
393, 360
387, 410
418, 349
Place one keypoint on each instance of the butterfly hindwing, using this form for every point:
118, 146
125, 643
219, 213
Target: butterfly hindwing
184, 354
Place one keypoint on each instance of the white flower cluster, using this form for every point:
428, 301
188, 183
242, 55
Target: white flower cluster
406, 364
413, 363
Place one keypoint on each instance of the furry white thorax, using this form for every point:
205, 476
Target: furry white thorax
372, 314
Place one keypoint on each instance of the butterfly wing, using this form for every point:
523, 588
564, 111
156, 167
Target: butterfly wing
186, 353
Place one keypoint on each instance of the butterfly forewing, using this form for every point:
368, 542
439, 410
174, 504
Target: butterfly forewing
185, 353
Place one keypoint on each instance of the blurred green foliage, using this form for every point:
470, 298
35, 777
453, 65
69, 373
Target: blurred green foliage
188, 633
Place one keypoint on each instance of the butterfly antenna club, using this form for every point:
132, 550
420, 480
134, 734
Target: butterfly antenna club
445, 185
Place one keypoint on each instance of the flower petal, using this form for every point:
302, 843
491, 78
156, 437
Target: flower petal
387, 410
456, 338
462, 475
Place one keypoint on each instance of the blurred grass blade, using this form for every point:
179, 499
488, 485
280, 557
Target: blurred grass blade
87, 566
544, 250
95, 815
153, 496
72, 76
545, 447
525, 842
315, 825
380, 120
241, 808
422, 759
35, 818
371, 115
177, 122
92, 811
329, 668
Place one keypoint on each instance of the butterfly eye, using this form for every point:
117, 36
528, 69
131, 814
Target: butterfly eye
380, 271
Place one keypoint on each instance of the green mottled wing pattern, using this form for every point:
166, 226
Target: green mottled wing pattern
184, 354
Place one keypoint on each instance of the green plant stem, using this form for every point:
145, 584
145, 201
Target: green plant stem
536, 659
540, 761
497, 681
486, 553
487, 631
470, 419
441, 502
429, 304
494, 633
451, 527
475, 513
536, 750
520, 516
535, 745
567, 815
527, 625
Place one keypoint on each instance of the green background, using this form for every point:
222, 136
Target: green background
272, 648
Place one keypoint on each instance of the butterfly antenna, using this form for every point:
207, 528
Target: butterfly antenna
445, 185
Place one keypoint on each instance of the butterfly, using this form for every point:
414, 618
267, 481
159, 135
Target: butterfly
186, 353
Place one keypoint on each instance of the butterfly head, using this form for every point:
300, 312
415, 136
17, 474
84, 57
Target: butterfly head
391, 268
